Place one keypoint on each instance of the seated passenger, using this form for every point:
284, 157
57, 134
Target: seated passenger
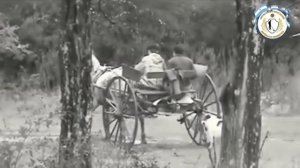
181, 62
152, 62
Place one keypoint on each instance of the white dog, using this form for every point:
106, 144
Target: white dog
212, 128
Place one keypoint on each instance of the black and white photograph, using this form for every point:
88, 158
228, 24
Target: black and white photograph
149, 83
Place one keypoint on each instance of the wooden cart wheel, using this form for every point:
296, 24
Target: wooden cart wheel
120, 114
207, 102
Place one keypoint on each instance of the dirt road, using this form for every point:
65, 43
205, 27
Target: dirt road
168, 141
170, 144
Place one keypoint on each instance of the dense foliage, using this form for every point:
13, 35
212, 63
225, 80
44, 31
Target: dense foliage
122, 29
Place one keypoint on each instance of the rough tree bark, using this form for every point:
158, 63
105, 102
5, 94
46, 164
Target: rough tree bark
75, 66
241, 97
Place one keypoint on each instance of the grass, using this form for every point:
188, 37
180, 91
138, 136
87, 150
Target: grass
106, 155
42, 153
30, 124
29, 131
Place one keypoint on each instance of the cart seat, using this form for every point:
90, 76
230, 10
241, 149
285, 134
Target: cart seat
184, 74
200, 70
160, 92
154, 75
151, 92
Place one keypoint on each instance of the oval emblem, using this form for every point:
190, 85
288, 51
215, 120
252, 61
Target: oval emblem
271, 22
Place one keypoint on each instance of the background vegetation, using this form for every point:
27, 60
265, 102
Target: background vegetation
30, 33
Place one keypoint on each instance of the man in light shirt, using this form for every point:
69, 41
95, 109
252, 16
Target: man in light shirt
152, 62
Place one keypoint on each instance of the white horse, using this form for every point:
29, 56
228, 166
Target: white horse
101, 76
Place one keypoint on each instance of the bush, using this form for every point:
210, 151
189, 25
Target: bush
13, 55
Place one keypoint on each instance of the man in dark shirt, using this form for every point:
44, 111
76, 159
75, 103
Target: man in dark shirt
182, 62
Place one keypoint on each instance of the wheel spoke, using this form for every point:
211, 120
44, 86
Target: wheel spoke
191, 124
206, 98
113, 130
112, 121
113, 94
125, 89
209, 104
187, 115
196, 130
120, 136
209, 112
122, 127
119, 86
201, 134
111, 113
127, 116
128, 97
116, 137
110, 102
203, 91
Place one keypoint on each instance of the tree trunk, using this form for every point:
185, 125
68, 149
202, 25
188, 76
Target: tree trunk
75, 67
241, 97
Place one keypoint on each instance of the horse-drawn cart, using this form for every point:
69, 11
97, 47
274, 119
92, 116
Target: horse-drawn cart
125, 105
